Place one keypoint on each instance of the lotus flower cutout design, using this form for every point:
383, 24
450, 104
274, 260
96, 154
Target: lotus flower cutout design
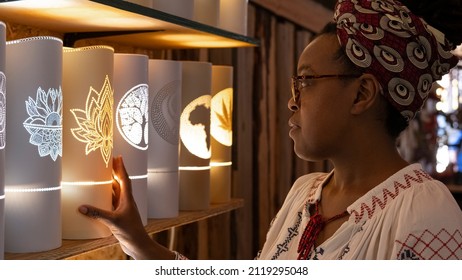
45, 122
96, 121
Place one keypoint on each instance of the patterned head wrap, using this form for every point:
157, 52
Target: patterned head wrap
401, 50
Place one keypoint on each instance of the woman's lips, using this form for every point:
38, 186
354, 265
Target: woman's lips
293, 126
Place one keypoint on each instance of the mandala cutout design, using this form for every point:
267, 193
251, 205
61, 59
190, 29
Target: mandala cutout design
132, 116
2, 110
165, 112
96, 121
45, 122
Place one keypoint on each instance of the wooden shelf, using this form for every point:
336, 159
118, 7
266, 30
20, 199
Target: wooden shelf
72, 248
153, 29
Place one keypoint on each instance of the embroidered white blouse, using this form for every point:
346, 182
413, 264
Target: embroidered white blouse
408, 216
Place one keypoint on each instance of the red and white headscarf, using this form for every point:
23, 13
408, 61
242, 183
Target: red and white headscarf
400, 49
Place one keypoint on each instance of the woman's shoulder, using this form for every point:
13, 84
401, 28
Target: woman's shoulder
307, 185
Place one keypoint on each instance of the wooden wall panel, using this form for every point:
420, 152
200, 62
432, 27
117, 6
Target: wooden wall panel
305, 13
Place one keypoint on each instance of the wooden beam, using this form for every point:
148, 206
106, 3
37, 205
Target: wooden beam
305, 13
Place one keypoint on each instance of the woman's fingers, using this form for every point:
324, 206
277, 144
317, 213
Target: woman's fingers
120, 175
104, 216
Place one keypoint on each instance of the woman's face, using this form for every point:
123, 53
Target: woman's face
321, 115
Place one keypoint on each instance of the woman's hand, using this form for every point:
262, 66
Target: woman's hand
124, 220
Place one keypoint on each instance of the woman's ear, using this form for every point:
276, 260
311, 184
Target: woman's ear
366, 95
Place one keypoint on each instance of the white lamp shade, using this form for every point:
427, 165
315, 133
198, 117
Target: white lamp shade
195, 136
2, 137
131, 118
87, 138
233, 16
181, 8
207, 11
222, 133
165, 107
34, 150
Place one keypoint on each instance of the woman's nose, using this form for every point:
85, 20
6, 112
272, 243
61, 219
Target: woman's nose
292, 105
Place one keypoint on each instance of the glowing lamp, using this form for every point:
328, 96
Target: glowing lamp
222, 133
2, 137
207, 11
131, 119
163, 153
195, 136
87, 138
34, 150
233, 16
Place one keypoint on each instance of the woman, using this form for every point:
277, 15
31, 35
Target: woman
359, 83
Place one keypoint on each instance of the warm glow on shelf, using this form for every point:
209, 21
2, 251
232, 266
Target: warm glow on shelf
195, 40
73, 15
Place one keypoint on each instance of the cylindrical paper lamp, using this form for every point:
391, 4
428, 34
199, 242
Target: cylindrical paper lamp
233, 16
131, 119
221, 124
34, 150
163, 158
181, 8
195, 136
87, 138
207, 11
2, 136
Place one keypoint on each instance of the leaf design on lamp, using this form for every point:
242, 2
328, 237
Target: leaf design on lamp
96, 121
225, 118
222, 117
45, 122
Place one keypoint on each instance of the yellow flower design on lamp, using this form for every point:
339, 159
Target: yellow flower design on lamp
96, 121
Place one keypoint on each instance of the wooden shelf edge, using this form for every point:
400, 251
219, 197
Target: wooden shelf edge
70, 248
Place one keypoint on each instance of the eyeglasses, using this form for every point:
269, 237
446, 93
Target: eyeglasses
299, 82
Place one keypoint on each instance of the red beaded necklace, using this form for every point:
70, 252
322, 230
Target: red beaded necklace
312, 230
